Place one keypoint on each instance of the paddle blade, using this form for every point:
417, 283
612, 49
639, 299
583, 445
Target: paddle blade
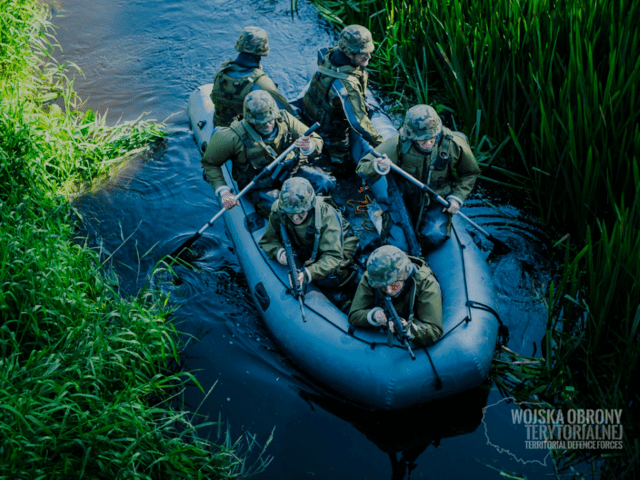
499, 247
185, 246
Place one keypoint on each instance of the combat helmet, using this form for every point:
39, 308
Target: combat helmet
355, 39
387, 265
421, 122
260, 107
253, 40
296, 196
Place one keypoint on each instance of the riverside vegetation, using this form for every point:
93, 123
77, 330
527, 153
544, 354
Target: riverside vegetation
87, 378
548, 93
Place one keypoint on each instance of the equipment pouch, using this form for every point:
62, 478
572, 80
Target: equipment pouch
443, 158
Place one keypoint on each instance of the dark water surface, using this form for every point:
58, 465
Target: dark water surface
146, 57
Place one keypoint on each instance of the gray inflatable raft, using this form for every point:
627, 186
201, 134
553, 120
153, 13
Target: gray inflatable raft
359, 365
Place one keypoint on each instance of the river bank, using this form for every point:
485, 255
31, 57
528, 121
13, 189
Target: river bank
87, 375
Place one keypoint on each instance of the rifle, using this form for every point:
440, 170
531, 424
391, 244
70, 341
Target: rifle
425, 188
398, 213
264, 172
283, 170
297, 290
398, 328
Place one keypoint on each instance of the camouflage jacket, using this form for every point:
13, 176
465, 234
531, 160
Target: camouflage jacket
420, 303
336, 112
435, 169
248, 156
332, 250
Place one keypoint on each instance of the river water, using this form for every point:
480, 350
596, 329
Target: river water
145, 57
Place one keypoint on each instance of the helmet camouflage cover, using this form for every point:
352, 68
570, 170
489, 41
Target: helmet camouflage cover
296, 196
355, 39
253, 40
387, 265
260, 107
421, 122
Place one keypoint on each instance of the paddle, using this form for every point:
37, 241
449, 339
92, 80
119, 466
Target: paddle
499, 243
267, 170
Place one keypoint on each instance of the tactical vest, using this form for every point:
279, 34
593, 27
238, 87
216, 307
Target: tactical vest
228, 92
317, 102
434, 169
308, 250
258, 153
404, 307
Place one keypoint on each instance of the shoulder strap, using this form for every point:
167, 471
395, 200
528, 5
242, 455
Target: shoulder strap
412, 299
404, 145
333, 73
442, 160
316, 235
255, 136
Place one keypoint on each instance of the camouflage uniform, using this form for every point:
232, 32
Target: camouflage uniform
236, 78
250, 153
342, 106
325, 231
419, 302
435, 169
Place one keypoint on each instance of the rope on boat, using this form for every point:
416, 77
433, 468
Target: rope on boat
360, 208
503, 330
438, 384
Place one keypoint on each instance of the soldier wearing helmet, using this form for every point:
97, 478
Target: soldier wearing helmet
253, 143
437, 157
320, 236
336, 97
236, 78
414, 292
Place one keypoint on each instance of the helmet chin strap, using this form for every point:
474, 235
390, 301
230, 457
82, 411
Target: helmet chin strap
415, 144
268, 136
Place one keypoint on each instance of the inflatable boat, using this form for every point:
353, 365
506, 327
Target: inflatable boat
359, 365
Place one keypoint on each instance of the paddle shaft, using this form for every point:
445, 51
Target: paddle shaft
249, 186
434, 194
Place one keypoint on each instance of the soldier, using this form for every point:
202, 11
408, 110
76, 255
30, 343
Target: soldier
253, 143
414, 291
320, 237
336, 95
431, 153
236, 78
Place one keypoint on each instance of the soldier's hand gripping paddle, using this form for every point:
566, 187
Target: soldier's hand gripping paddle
501, 247
266, 171
498, 243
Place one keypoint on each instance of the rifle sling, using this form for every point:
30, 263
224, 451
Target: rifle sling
255, 136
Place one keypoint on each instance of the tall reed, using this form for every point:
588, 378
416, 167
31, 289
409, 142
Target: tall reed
555, 84
560, 78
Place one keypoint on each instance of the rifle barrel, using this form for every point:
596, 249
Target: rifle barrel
398, 329
296, 289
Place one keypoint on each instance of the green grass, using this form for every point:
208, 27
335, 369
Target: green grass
85, 378
89, 381
548, 94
